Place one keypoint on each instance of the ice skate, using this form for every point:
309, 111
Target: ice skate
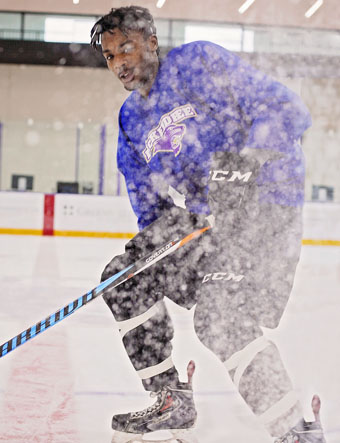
170, 419
306, 432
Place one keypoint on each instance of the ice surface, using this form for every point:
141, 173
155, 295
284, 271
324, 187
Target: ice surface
64, 385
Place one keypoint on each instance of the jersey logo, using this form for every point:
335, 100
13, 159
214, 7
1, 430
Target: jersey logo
222, 276
219, 175
168, 135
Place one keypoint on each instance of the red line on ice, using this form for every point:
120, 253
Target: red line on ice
38, 401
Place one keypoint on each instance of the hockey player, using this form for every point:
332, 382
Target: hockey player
226, 136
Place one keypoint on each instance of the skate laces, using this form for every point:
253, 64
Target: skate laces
154, 407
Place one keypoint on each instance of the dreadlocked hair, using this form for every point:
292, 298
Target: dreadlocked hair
130, 18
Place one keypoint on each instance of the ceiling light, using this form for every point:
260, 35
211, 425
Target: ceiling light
160, 3
75, 2
313, 8
245, 6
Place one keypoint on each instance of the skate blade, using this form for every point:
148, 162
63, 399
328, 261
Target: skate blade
124, 437
161, 436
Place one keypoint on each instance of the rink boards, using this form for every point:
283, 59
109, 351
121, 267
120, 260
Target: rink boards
111, 216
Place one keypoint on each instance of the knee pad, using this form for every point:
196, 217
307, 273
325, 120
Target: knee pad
241, 360
133, 332
128, 325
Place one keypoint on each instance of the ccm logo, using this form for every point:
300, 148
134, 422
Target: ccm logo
220, 175
222, 276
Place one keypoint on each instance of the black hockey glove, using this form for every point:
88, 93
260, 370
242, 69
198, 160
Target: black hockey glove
174, 223
233, 191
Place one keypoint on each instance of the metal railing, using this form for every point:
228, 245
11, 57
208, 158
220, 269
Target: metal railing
172, 33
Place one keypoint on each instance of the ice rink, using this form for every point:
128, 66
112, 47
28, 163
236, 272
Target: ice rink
64, 385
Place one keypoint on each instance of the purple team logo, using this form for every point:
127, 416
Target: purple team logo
168, 135
171, 140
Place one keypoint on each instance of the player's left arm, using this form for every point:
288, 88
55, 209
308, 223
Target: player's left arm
258, 114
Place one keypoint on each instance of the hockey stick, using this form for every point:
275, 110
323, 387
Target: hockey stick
112, 282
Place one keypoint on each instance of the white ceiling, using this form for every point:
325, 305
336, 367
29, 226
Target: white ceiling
265, 12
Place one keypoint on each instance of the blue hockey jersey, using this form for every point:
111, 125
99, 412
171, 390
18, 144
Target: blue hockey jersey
205, 99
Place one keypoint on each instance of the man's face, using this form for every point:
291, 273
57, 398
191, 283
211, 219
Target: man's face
132, 58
